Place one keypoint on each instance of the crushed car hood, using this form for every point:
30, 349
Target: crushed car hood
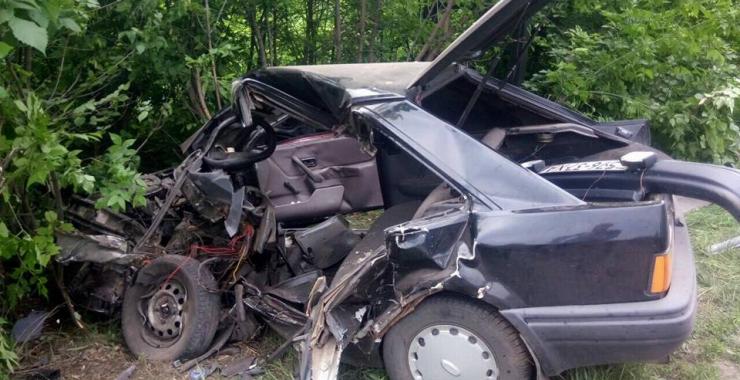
501, 20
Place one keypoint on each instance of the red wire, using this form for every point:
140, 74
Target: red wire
230, 249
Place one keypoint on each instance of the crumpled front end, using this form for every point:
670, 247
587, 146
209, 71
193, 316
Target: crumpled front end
376, 287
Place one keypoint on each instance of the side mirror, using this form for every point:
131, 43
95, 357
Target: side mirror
242, 104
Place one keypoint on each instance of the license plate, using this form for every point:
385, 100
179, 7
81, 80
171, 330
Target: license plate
591, 166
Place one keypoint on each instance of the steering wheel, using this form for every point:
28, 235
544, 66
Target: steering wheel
260, 145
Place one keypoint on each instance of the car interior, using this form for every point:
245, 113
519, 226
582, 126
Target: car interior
528, 135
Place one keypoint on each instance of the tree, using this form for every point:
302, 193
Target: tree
337, 31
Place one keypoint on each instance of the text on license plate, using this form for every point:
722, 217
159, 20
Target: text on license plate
591, 166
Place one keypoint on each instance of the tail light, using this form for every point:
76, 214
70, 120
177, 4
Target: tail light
660, 280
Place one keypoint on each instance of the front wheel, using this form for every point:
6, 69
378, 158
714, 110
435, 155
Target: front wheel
448, 337
171, 311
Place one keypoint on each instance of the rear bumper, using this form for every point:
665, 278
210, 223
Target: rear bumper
564, 337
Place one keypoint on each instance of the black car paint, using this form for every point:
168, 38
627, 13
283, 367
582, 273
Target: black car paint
564, 337
713, 183
591, 255
520, 242
570, 247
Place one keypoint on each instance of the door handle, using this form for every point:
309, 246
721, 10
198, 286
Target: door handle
310, 173
310, 162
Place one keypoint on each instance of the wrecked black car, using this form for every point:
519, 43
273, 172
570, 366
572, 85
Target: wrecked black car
517, 238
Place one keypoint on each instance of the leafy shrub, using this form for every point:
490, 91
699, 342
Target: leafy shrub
51, 144
8, 357
672, 62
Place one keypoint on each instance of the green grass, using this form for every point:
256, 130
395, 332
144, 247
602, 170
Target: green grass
716, 337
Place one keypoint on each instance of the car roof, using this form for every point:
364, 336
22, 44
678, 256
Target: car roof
394, 77
335, 89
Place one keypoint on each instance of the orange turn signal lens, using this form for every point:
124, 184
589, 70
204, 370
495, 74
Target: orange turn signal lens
661, 279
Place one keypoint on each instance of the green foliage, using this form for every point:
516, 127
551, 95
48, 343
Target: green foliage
674, 63
51, 138
119, 180
8, 357
30, 22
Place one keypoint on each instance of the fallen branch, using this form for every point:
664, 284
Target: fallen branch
59, 278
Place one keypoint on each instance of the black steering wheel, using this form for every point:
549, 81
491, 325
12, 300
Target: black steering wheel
260, 144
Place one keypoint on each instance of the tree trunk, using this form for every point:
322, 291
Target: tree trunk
377, 17
27, 58
197, 98
265, 30
216, 86
309, 46
337, 31
430, 43
446, 34
361, 27
272, 26
257, 33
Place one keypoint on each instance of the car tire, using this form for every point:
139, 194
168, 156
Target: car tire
480, 326
187, 326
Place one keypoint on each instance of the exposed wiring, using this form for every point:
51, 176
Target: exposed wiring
603, 174
244, 250
232, 248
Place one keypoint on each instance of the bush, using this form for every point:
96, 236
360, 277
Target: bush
8, 357
50, 143
672, 62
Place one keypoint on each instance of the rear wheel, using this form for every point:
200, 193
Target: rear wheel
449, 337
170, 312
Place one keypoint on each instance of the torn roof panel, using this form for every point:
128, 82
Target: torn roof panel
392, 77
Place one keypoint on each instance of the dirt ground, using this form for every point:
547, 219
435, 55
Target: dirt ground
99, 355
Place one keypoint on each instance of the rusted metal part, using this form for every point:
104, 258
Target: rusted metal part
385, 321
83, 212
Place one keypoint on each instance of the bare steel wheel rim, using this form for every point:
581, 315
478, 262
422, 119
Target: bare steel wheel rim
450, 352
164, 314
